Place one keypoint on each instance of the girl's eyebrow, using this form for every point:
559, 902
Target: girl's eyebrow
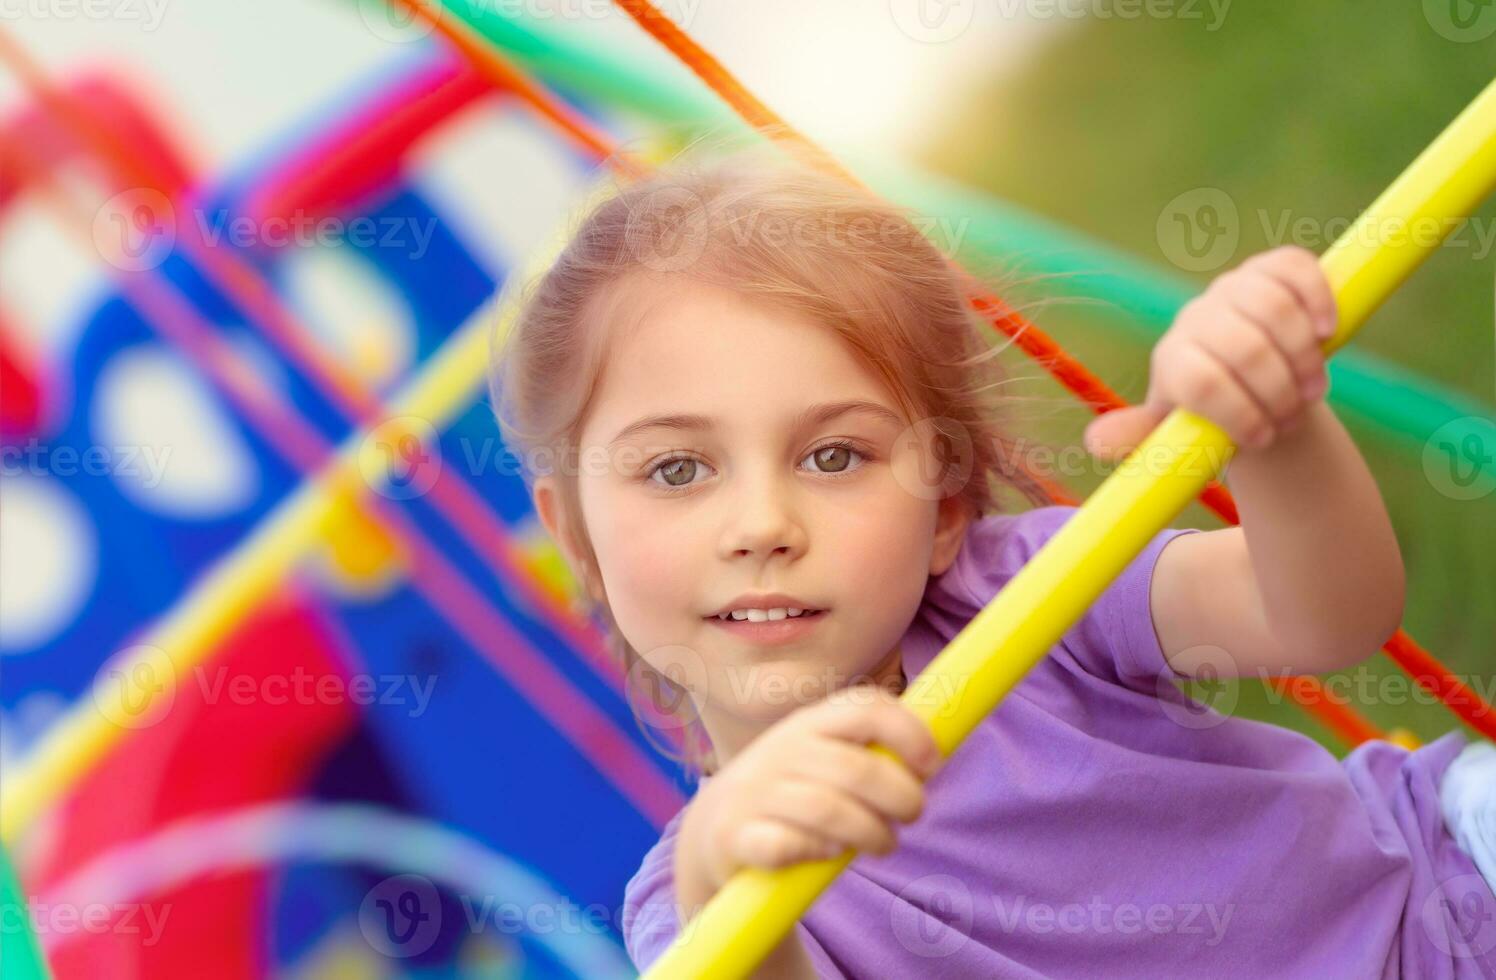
813, 416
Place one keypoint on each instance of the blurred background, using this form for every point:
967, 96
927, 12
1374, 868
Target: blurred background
290, 680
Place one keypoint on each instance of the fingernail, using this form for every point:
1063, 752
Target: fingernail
1314, 387
1327, 326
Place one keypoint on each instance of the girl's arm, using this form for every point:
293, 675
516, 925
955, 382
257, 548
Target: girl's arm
1312, 581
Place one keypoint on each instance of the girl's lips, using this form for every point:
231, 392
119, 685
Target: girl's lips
771, 632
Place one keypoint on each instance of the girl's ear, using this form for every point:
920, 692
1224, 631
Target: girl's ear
547, 500
951, 521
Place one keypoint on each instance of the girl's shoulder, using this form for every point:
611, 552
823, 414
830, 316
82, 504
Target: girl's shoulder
996, 546
1114, 639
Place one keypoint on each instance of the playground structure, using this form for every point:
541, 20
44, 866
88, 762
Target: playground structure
350, 501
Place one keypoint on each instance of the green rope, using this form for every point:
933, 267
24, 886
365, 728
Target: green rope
1376, 393
20, 956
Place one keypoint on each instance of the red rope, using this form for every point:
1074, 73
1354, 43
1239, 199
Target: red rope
465, 608
1053, 358
590, 731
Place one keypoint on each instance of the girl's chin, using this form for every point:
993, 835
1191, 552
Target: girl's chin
769, 690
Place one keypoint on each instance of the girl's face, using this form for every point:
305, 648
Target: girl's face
784, 468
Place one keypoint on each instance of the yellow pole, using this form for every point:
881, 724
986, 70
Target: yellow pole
753, 912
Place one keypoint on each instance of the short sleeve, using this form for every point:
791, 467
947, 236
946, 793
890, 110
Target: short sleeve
651, 919
1114, 639
1124, 612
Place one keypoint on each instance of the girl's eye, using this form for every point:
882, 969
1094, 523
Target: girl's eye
677, 472
835, 457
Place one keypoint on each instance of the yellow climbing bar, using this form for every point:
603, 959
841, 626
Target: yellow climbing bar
754, 911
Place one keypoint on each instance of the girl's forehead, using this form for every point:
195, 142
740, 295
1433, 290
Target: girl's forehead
714, 342
685, 319
688, 348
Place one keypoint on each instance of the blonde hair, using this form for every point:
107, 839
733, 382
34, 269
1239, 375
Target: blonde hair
786, 234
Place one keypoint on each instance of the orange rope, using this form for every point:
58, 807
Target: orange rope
1030, 339
500, 71
1424, 667
1309, 694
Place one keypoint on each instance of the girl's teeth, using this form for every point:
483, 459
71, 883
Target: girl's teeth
763, 615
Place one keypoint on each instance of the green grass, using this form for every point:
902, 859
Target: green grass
1304, 109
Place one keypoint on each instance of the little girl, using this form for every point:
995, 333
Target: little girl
782, 470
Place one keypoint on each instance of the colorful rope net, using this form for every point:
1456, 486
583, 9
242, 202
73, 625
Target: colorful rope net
1307, 691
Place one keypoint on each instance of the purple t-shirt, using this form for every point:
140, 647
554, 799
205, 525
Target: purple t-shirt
1101, 823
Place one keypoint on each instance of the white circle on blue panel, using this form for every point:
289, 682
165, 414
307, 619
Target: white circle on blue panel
166, 439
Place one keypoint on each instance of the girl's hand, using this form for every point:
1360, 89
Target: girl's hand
806, 789
1245, 354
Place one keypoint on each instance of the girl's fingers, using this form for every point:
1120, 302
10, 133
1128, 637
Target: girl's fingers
768, 843
1257, 364
1278, 312
865, 714
881, 783
819, 809
1202, 384
1299, 269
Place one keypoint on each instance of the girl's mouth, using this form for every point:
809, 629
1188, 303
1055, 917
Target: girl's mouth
772, 632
